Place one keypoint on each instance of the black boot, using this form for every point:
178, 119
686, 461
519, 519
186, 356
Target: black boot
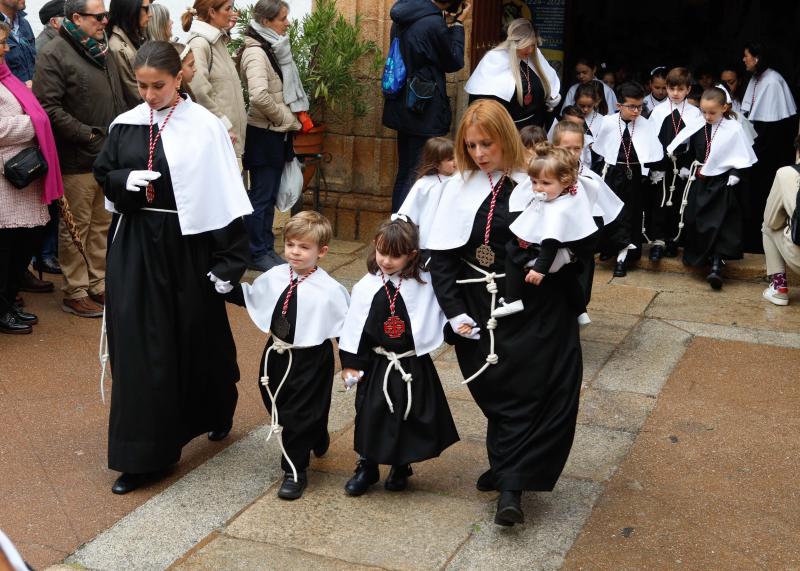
486, 481
397, 480
13, 325
509, 509
656, 253
129, 482
366, 474
291, 490
620, 270
715, 277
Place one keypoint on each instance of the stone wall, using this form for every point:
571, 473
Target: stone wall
360, 176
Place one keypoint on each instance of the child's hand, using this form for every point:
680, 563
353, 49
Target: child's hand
534, 278
464, 329
348, 375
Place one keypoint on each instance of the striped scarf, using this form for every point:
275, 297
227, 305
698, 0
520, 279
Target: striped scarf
95, 49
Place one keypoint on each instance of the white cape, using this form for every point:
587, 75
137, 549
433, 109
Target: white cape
645, 140
208, 187
730, 149
322, 304
611, 98
493, 76
427, 318
567, 218
606, 204
462, 196
663, 110
421, 203
773, 101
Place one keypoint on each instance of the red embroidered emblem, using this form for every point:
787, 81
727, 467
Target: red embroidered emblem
523, 244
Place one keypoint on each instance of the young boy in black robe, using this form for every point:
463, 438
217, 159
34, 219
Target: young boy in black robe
302, 308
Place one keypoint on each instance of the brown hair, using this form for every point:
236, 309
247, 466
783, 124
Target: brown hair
436, 150
493, 119
5, 28
180, 48
721, 97
201, 9
532, 135
679, 77
397, 238
309, 224
554, 161
567, 127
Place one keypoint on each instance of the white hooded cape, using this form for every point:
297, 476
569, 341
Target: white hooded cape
493, 76
427, 318
322, 304
208, 187
730, 149
773, 101
663, 110
421, 203
645, 140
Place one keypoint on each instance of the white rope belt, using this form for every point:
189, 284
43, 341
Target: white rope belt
664, 199
280, 347
696, 165
491, 286
394, 363
160, 210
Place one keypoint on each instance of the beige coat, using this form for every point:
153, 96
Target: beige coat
264, 85
123, 51
219, 90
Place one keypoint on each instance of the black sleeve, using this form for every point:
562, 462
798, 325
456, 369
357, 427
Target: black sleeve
112, 179
547, 253
449, 45
518, 255
358, 361
445, 266
236, 296
230, 251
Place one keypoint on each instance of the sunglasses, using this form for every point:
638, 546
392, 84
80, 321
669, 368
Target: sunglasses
99, 17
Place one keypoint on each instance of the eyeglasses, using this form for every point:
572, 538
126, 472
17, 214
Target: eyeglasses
99, 17
632, 107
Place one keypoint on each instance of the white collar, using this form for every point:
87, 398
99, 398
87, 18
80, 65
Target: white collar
644, 135
205, 30
731, 148
493, 75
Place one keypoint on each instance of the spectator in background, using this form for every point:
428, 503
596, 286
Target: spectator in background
159, 27
79, 87
585, 70
50, 16
21, 57
127, 22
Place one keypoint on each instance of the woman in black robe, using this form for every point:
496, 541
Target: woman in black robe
171, 349
530, 396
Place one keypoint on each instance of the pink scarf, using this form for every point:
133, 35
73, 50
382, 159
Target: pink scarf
53, 187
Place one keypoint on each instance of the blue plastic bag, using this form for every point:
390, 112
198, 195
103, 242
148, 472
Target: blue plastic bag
394, 72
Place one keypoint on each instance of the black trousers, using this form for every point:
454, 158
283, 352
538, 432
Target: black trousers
17, 245
409, 151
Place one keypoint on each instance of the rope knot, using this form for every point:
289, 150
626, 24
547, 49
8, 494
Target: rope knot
674, 171
692, 178
407, 378
492, 358
491, 325
684, 202
669, 203
681, 224
280, 350
491, 287
265, 380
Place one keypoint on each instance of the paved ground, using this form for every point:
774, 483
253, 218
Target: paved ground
684, 456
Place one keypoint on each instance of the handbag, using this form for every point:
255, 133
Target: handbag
794, 223
25, 167
291, 186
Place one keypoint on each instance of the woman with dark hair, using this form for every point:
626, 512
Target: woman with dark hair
585, 71
179, 241
769, 105
127, 22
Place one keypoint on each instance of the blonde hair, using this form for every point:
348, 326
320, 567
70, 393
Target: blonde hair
521, 35
157, 25
309, 224
554, 161
493, 119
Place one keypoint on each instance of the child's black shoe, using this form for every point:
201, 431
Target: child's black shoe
291, 490
397, 481
366, 474
509, 509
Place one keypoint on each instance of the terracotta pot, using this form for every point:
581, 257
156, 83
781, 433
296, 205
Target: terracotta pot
310, 143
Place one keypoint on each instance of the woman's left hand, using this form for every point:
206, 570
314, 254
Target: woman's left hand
534, 278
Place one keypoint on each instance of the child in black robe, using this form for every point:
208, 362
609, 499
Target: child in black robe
393, 323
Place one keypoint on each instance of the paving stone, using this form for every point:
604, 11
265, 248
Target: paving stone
616, 410
595, 355
346, 246
419, 530
452, 380
596, 452
628, 300
349, 274
645, 360
609, 327
688, 283
553, 521
469, 419
332, 261
233, 554
728, 333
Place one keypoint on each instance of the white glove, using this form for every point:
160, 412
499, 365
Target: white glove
352, 381
733, 180
219, 285
459, 320
140, 179
656, 176
683, 173
553, 101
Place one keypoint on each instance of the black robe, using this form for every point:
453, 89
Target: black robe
172, 353
713, 216
530, 397
535, 113
383, 436
304, 400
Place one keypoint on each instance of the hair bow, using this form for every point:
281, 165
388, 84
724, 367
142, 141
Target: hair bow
398, 216
727, 93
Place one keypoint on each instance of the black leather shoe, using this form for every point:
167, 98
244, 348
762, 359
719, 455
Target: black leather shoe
366, 474
486, 482
128, 482
509, 509
217, 435
322, 446
619, 270
656, 253
11, 324
291, 490
715, 277
671, 250
47, 266
24, 316
31, 283
397, 480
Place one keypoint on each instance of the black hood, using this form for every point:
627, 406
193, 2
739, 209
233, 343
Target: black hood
406, 12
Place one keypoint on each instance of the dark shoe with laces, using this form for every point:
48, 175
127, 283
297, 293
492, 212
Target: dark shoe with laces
397, 480
321, 448
31, 283
11, 324
509, 509
366, 474
656, 253
291, 490
486, 482
620, 271
24, 316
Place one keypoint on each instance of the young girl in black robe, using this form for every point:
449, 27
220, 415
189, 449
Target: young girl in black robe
393, 323
712, 221
180, 230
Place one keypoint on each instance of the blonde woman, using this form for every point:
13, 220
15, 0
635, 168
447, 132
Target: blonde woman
159, 28
516, 74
